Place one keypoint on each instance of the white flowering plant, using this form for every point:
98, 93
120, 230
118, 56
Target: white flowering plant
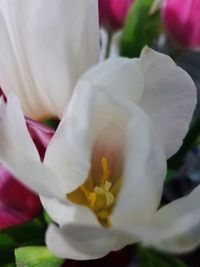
96, 127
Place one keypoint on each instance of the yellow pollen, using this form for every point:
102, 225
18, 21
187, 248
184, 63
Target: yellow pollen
100, 199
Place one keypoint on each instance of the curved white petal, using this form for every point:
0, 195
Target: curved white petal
81, 218
169, 98
174, 228
177, 225
64, 213
120, 76
69, 150
80, 242
19, 154
43, 51
13, 128
144, 173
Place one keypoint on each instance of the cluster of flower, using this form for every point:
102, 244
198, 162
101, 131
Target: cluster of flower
100, 173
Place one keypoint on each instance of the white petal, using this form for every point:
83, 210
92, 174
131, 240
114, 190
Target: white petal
19, 154
169, 98
144, 174
13, 128
64, 213
177, 225
43, 51
110, 144
69, 150
120, 76
79, 242
174, 228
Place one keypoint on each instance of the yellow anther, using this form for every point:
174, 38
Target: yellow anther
107, 186
104, 198
98, 190
110, 199
100, 199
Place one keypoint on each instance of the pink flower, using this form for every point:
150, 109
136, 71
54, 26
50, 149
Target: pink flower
112, 13
19, 204
182, 22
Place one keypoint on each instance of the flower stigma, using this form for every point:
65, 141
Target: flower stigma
99, 198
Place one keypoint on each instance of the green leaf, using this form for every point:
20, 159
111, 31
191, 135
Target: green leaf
36, 257
140, 28
6, 241
152, 258
28, 234
30, 231
7, 246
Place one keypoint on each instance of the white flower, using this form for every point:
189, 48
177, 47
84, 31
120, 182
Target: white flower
103, 173
45, 47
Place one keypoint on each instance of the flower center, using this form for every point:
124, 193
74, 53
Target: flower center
99, 198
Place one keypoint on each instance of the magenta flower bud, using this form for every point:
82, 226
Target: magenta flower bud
18, 204
182, 22
40, 134
112, 13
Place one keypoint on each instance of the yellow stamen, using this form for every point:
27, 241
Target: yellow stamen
105, 170
92, 198
100, 199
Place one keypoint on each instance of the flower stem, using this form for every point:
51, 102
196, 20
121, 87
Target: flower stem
108, 45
